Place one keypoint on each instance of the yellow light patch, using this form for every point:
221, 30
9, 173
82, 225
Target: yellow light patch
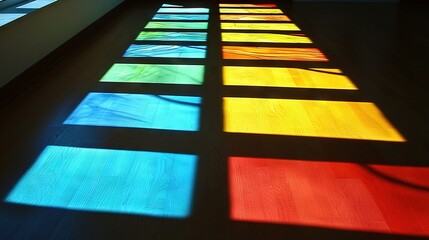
250, 10
286, 77
264, 37
260, 26
253, 17
311, 118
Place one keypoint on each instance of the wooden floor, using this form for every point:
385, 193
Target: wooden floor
303, 121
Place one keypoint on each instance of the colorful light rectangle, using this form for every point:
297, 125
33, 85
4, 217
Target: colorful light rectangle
108, 180
155, 73
260, 26
329, 195
183, 10
322, 78
177, 25
166, 51
166, 112
37, 4
251, 10
172, 36
264, 38
273, 53
181, 17
253, 17
6, 18
227, 5
310, 118
165, 5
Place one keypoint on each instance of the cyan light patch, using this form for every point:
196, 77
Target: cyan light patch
170, 5
106, 180
165, 112
165, 51
155, 73
172, 36
183, 10
182, 17
37, 4
177, 25
6, 18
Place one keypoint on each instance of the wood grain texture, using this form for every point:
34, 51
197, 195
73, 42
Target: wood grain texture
272, 53
226, 5
259, 26
334, 119
326, 194
286, 77
254, 17
106, 180
250, 10
264, 37
288, 187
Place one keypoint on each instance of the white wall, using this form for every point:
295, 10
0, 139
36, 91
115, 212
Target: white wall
27, 40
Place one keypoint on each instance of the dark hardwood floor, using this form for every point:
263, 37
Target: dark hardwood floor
322, 170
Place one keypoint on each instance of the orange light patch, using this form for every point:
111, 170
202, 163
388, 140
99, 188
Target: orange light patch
260, 26
270, 53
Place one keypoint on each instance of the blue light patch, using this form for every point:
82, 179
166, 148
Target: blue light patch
104, 180
6, 18
166, 51
138, 111
181, 17
183, 10
37, 4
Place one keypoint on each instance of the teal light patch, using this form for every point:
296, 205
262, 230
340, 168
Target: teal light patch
165, 112
155, 73
6, 18
165, 51
172, 36
181, 17
177, 25
183, 10
37, 4
170, 5
106, 180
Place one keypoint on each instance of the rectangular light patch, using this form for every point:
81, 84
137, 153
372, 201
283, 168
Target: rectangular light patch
6, 18
172, 36
273, 53
155, 73
183, 10
241, 17
176, 25
322, 78
37, 4
247, 5
166, 51
260, 26
165, 112
106, 180
311, 118
181, 17
251, 10
264, 37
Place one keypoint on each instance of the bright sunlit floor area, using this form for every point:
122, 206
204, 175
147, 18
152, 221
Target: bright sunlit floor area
217, 120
